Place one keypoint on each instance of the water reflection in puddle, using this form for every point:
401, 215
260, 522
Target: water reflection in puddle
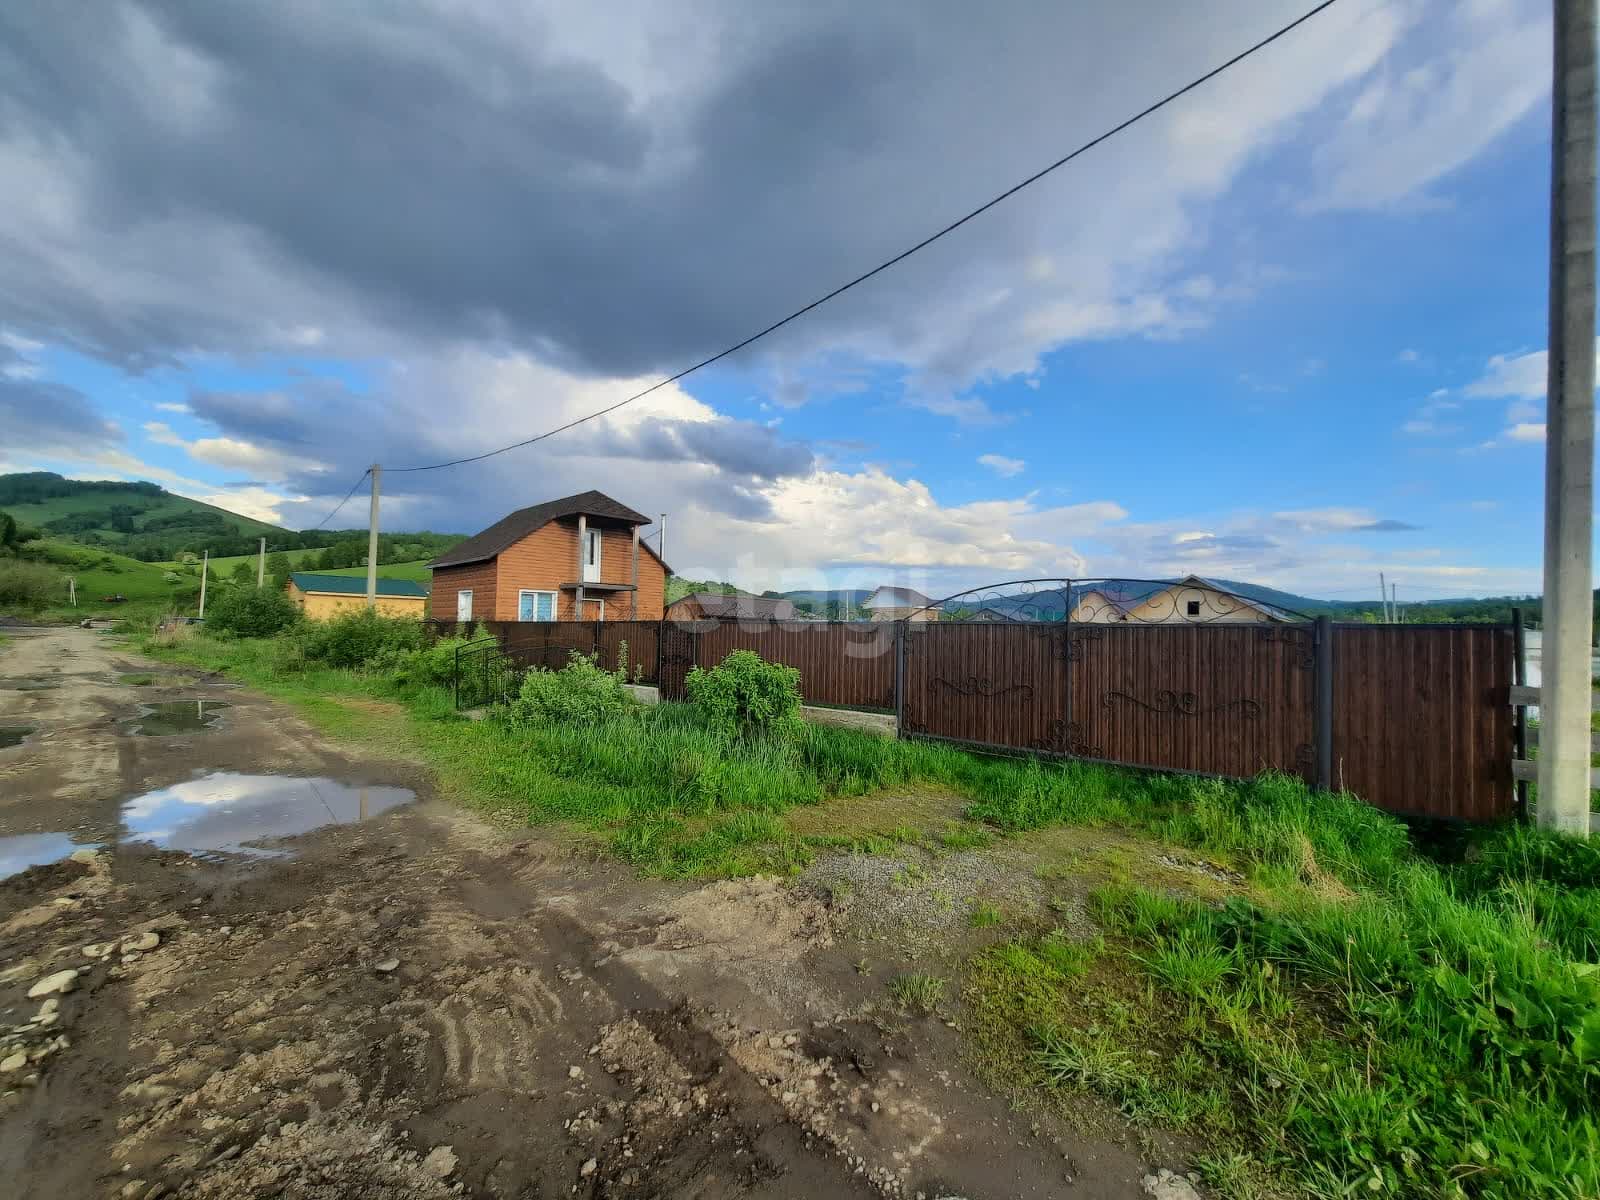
26, 850
177, 716
224, 812
13, 735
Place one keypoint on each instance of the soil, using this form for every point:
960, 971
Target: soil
423, 1005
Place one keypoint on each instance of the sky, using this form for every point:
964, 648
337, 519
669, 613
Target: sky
1289, 330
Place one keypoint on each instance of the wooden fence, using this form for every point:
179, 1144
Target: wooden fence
1416, 719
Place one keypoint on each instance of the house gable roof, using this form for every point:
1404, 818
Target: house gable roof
896, 597
720, 604
356, 585
512, 528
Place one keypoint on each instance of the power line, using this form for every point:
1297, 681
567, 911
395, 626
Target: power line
345, 501
903, 255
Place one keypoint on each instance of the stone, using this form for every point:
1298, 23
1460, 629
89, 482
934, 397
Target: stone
441, 1160
48, 1007
387, 966
140, 942
589, 1168
133, 1188
98, 949
1168, 1185
84, 854
14, 1062
61, 981
574, 1072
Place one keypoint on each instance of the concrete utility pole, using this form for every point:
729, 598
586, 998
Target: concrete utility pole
661, 539
1569, 430
1383, 597
372, 541
261, 565
205, 569
1394, 601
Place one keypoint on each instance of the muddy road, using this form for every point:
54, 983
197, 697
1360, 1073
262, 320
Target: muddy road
302, 973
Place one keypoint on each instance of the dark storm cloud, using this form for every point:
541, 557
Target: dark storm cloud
736, 447
51, 418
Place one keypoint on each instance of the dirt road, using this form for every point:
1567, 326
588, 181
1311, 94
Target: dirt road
418, 1004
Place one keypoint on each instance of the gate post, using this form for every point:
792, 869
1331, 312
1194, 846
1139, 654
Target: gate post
1323, 705
1519, 676
899, 677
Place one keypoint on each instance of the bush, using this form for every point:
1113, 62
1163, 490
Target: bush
365, 639
582, 692
251, 612
432, 666
745, 695
29, 585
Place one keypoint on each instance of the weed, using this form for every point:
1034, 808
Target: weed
966, 837
984, 916
136, 680
917, 993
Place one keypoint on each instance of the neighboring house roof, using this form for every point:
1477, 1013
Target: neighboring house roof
356, 585
512, 528
719, 604
1125, 595
896, 597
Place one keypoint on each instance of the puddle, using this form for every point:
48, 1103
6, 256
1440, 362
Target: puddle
26, 850
13, 735
28, 683
227, 813
140, 680
177, 716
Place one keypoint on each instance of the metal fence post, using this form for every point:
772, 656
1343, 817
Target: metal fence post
1066, 654
1519, 676
899, 678
1323, 707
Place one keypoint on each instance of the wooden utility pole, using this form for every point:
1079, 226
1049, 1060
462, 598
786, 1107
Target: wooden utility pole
372, 541
1569, 430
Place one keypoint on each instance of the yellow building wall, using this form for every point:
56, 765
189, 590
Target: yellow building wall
319, 606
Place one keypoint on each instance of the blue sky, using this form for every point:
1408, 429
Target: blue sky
1290, 330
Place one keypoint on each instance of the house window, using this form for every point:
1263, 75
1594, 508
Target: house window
591, 556
464, 604
1194, 608
536, 606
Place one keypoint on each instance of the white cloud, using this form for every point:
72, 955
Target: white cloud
1526, 431
1001, 465
1522, 375
1419, 118
1410, 356
170, 407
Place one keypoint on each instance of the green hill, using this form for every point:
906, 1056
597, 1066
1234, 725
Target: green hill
417, 571
149, 591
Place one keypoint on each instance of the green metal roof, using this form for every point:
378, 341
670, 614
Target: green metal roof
356, 585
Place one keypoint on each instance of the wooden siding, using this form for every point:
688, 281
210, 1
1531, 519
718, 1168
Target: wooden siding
544, 561
479, 577
1422, 722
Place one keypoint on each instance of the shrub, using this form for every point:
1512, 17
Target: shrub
364, 639
745, 695
29, 585
251, 612
582, 692
431, 666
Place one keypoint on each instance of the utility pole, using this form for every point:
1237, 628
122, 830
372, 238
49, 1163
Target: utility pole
1383, 598
205, 569
372, 542
661, 541
261, 565
1569, 430
1394, 601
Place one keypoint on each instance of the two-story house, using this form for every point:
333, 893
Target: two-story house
574, 559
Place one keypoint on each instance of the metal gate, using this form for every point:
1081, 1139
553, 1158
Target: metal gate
677, 658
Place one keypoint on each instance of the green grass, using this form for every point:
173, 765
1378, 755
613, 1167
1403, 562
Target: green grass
417, 571
984, 916
1366, 1023
149, 507
105, 573
917, 993
136, 680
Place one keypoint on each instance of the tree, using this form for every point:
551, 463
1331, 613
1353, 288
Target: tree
279, 568
244, 573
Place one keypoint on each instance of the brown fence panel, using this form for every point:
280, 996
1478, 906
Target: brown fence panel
641, 638
678, 648
848, 663
1422, 722
1221, 699
990, 684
